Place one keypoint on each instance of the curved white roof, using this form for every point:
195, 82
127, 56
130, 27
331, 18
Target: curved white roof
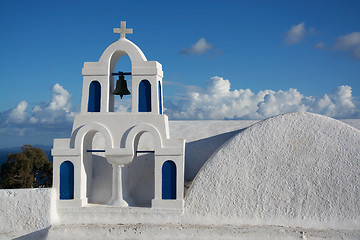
298, 169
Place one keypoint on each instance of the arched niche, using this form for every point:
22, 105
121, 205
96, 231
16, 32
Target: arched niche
124, 104
168, 183
140, 173
94, 101
97, 169
66, 181
144, 96
131, 139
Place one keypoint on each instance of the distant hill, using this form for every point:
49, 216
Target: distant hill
5, 151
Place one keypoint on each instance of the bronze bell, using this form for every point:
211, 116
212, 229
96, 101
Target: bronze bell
121, 87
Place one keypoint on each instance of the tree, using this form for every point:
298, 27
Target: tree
29, 168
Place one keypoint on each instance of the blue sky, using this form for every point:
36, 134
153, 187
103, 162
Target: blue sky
266, 57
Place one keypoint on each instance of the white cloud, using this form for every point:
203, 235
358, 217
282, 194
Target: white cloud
217, 85
217, 101
60, 98
57, 110
296, 34
54, 112
39, 124
200, 47
18, 114
349, 43
122, 105
343, 102
275, 103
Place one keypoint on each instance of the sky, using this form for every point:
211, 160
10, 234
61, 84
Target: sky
221, 59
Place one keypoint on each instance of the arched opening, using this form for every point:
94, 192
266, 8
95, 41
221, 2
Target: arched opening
169, 180
124, 104
141, 172
67, 180
94, 97
160, 98
98, 170
144, 96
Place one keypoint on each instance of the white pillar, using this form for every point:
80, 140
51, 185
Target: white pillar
117, 194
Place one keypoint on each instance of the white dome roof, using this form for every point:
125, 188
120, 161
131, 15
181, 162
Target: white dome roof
298, 169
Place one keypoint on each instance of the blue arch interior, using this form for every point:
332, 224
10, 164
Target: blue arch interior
67, 180
160, 101
144, 96
94, 97
169, 180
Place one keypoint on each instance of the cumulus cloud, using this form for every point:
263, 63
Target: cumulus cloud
200, 47
217, 101
349, 43
52, 114
18, 114
296, 34
56, 110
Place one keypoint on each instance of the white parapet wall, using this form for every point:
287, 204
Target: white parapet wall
23, 211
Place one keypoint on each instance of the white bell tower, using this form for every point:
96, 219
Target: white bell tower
74, 171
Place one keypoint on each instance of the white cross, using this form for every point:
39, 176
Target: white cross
123, 30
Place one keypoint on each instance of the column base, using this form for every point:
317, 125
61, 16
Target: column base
118, 203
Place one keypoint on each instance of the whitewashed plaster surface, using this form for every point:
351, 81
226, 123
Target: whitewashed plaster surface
203, 138
25, 210
297, 169
190, 232
300, 195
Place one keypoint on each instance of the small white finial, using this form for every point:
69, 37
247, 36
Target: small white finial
123, 30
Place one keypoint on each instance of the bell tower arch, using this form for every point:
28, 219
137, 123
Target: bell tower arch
141, 69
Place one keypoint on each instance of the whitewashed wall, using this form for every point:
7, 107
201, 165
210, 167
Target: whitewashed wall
24, 211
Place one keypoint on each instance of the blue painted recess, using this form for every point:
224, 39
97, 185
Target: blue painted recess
144, 96
160, 102
67, 180
94, 97
169, 180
